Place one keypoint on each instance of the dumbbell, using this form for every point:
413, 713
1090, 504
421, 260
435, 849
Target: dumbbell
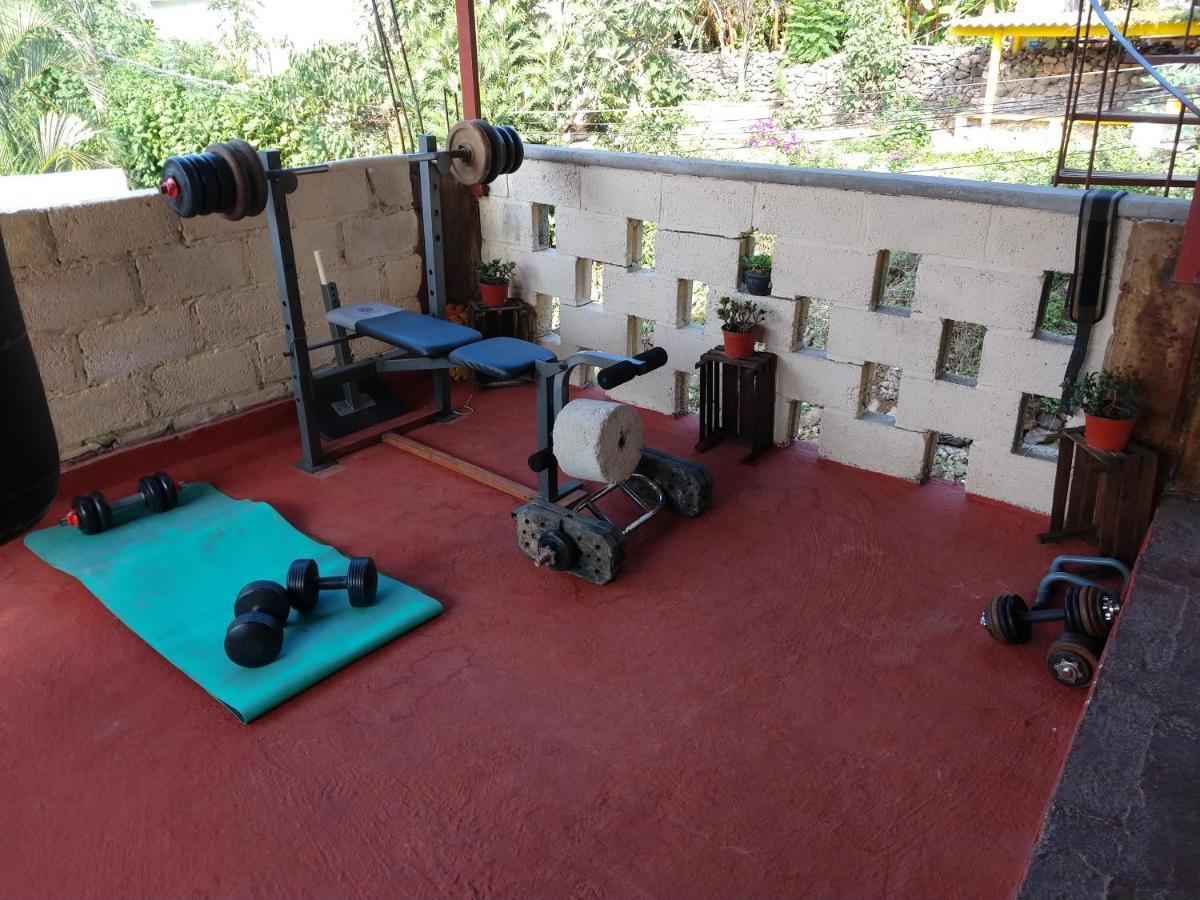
304, 583
1088, 610
92, 513
255, 636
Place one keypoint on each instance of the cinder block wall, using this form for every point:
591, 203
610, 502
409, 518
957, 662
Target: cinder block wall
144, 323
985, 254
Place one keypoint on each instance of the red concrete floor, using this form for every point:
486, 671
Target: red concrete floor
790, 696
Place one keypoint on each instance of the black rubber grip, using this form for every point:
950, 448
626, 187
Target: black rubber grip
616, 374
654, 358
541, 460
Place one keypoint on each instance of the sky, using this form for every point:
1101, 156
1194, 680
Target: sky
303, 22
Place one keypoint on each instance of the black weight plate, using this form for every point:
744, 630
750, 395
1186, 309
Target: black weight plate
240, 186
89, 517
183, 204
151, 493
227, 195
498, 160
518, 156
268, 597
506, 146
170, 488
205, 165
199, 188
1014, 625
362, 581
253, 640
103, 510
303, 584
256, 176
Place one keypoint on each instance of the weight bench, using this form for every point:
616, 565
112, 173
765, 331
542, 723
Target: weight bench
430, 338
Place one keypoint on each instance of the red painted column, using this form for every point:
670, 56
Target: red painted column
1187, 264
468, 58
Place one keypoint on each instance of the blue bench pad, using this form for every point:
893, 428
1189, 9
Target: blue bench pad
501, 357
417, 333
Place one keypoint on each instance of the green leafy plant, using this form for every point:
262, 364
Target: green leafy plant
495, 271
1109, 394
757, 264
740, 316
874, 52
815, 29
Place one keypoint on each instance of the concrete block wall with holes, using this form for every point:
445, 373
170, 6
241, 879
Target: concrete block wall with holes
985, 256
144, 323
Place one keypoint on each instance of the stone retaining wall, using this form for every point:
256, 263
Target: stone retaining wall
946, 74
144, 323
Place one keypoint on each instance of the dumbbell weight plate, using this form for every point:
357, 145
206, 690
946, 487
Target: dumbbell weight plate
263, 597
1089, 613
256, 177
103, 510
237, 209
518, 154
469, 137
152, 494
184, 203
362, 581
170, 488
1004, 619
1072, 659
303, 584
253, 639
88, 514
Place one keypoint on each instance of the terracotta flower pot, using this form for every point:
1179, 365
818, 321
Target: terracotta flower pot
494, 294
739, 344
1107, 434
758, 284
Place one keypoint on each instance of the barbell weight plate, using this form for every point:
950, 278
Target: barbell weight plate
498, 159
506, 146
240, 182
211, 181
183, 204
518, 149
256, 177
228, 192
469, 138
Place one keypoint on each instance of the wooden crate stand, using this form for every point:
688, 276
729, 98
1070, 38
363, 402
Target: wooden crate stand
737, 401
1104, 498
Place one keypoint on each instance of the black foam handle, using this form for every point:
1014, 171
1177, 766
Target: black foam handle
620, 372
654, 358
617, 374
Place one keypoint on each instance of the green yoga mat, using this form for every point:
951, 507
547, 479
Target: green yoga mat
172, 579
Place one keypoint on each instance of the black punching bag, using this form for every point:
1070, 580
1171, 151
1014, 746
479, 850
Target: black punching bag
28, 448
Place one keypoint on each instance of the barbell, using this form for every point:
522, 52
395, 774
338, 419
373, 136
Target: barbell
229, 178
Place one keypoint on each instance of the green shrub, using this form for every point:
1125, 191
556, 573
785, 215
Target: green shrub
815, 29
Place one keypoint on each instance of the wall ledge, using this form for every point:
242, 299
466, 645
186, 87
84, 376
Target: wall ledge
1060, 200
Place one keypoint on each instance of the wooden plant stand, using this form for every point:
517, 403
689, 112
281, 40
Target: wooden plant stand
1104, 498
737, 401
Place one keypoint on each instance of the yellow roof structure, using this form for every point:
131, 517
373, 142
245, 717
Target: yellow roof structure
1165, 23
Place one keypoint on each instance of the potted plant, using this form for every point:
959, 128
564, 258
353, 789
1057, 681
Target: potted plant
1107, 400
740, 319
493, 276
757, 268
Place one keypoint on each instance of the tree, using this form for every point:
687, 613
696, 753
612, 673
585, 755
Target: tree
38, 47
